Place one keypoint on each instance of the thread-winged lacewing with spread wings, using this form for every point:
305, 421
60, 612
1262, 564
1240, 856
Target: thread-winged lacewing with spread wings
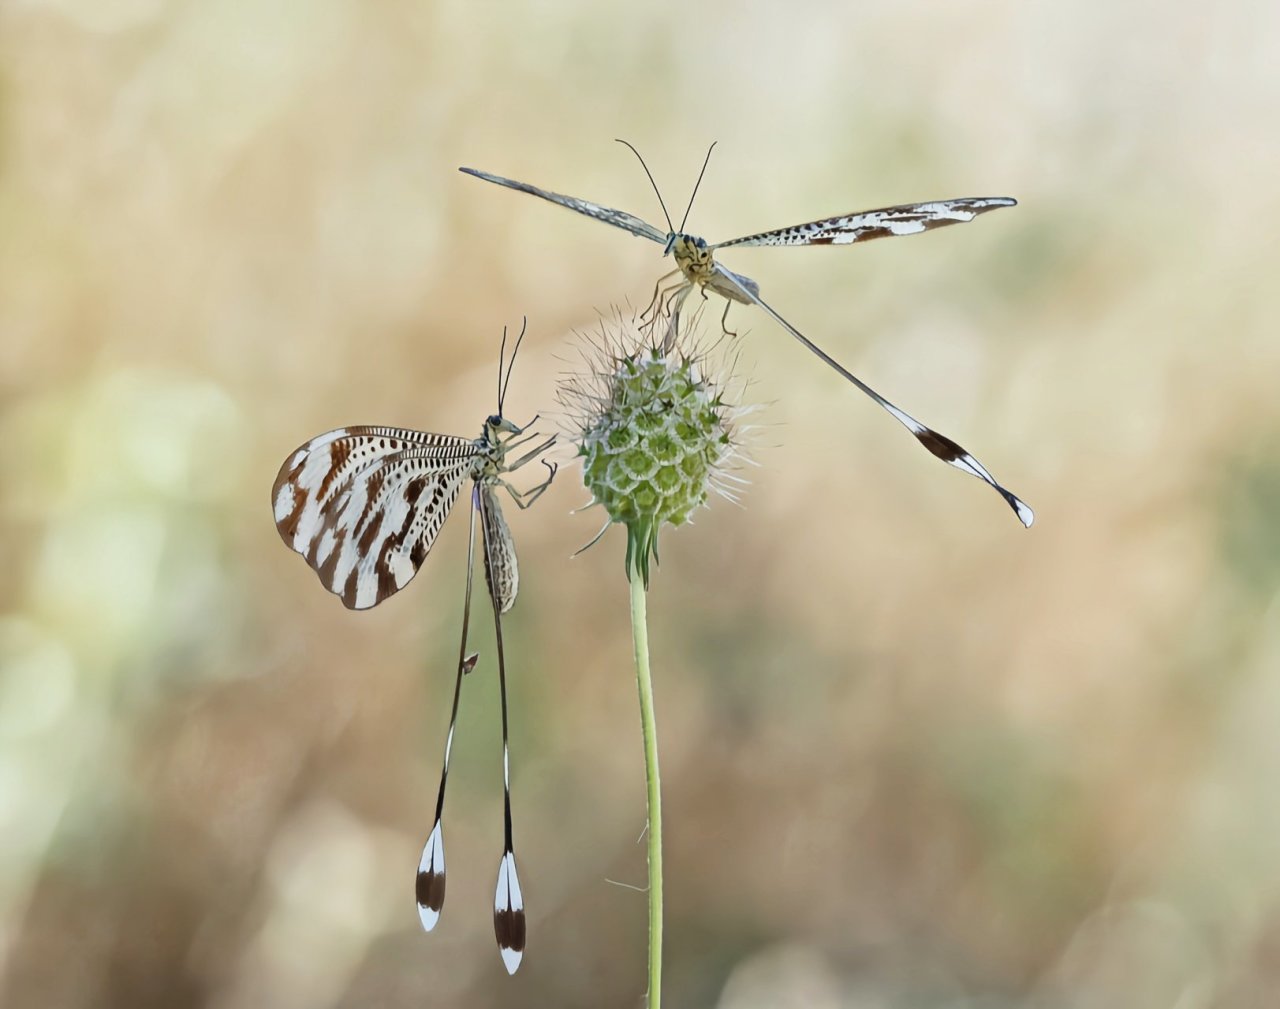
363, 506
696, 269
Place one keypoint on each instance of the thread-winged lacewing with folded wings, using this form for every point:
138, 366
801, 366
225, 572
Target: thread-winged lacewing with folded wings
696, 269
364, 505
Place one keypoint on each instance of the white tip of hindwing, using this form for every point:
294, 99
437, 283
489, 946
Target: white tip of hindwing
430, 884
508, 914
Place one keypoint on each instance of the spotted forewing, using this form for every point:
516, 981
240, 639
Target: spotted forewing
363, 505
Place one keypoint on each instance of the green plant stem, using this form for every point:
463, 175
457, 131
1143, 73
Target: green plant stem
640, 638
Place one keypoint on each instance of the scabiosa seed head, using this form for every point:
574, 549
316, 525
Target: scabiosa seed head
654, 429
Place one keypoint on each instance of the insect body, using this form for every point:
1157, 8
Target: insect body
363, 506
696, 269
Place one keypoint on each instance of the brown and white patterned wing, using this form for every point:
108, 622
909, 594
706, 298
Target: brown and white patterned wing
363, 505
909, 219
618, 218
500, 568
940, 445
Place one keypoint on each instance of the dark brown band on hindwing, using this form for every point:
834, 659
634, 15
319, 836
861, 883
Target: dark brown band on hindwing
430, 890
509, 928
940, 445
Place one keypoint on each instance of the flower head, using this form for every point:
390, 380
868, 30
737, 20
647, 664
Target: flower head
655, 430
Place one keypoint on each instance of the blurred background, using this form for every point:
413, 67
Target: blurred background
913, 754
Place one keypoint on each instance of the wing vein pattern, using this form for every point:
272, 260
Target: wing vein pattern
887, 222
500, 568
363, 505
618, 218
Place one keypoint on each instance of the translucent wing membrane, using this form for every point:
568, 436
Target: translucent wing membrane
500, 568
887, 222
363, 505
430, 883
939, 444
618, 218
733, 289
508, 902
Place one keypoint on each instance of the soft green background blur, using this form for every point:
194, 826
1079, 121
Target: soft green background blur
914, 756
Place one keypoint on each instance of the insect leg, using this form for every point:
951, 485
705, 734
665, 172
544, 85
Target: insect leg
724, 320
653, 302
532, 454
524, 498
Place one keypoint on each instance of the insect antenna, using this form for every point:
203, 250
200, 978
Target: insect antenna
505, 383
706, 162
652, 183
431, 879
502, 352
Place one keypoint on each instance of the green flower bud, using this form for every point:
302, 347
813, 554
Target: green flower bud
654, 432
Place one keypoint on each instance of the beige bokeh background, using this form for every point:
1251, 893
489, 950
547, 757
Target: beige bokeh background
913, 754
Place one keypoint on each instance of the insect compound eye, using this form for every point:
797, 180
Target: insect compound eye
494, 420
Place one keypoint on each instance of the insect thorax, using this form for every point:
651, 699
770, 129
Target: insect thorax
490, 454
693, 257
